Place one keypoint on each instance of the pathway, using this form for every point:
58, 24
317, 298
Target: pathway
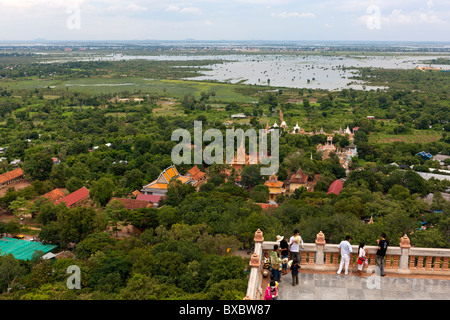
330, 286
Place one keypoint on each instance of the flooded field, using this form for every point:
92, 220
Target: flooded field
292, 71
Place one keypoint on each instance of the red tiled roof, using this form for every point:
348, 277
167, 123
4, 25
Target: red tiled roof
336, 187
265, 206
131, 204
74, 197
11, 175
299, 177
149, 197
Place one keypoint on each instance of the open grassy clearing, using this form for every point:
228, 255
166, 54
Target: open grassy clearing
417, 136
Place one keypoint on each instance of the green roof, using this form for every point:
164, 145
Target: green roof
23, 249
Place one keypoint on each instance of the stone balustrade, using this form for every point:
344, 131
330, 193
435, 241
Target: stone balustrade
321, 256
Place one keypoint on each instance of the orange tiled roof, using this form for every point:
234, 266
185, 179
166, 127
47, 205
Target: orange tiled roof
183, 179
171, 172
196, 174
273, 182
54, 194
155, 185
11, 175
267, 205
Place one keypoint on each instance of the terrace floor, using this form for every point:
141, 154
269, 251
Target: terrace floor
331, 286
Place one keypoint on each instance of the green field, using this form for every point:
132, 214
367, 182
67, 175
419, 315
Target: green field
171, 88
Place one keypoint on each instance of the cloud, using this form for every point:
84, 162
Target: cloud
136, 7
398, 17
185, 10
191, 10
294, 14
173, 9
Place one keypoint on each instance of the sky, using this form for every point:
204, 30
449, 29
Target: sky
339, 20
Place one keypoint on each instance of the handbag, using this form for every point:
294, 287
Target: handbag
361, 260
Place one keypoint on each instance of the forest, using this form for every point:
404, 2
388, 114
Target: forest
195, 244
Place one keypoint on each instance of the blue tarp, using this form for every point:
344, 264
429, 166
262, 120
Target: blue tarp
424, 155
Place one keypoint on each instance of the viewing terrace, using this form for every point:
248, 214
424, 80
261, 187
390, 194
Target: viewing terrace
411, 273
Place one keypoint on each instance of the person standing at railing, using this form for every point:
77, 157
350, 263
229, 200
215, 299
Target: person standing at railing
294, 244
345, 249
275, 263
284, 250
381, 252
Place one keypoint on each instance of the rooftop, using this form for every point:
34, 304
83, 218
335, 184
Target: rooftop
74, 197
149, 197
131, 204
335, 187
23, 249
11, 175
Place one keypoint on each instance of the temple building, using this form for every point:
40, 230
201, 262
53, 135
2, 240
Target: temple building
160, 186
197, 177
241, 158
327, 148
275, 187
300, 179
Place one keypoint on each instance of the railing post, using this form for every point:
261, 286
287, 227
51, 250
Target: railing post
320, 244
405, 245
254, 284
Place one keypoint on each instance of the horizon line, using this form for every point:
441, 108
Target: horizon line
222, 40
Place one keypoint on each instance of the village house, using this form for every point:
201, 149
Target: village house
11, 177
76, 198
131, 204
154, 199
16, 162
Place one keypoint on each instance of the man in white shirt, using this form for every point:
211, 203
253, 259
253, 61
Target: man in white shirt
294, 245
345, 249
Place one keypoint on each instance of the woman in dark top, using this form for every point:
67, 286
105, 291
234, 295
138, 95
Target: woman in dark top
381, 252
284, 250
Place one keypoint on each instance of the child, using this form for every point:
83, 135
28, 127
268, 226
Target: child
294, 271
271, 292
266, 263
361, 257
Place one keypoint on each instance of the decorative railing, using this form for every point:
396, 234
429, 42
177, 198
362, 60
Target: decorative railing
321, 256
